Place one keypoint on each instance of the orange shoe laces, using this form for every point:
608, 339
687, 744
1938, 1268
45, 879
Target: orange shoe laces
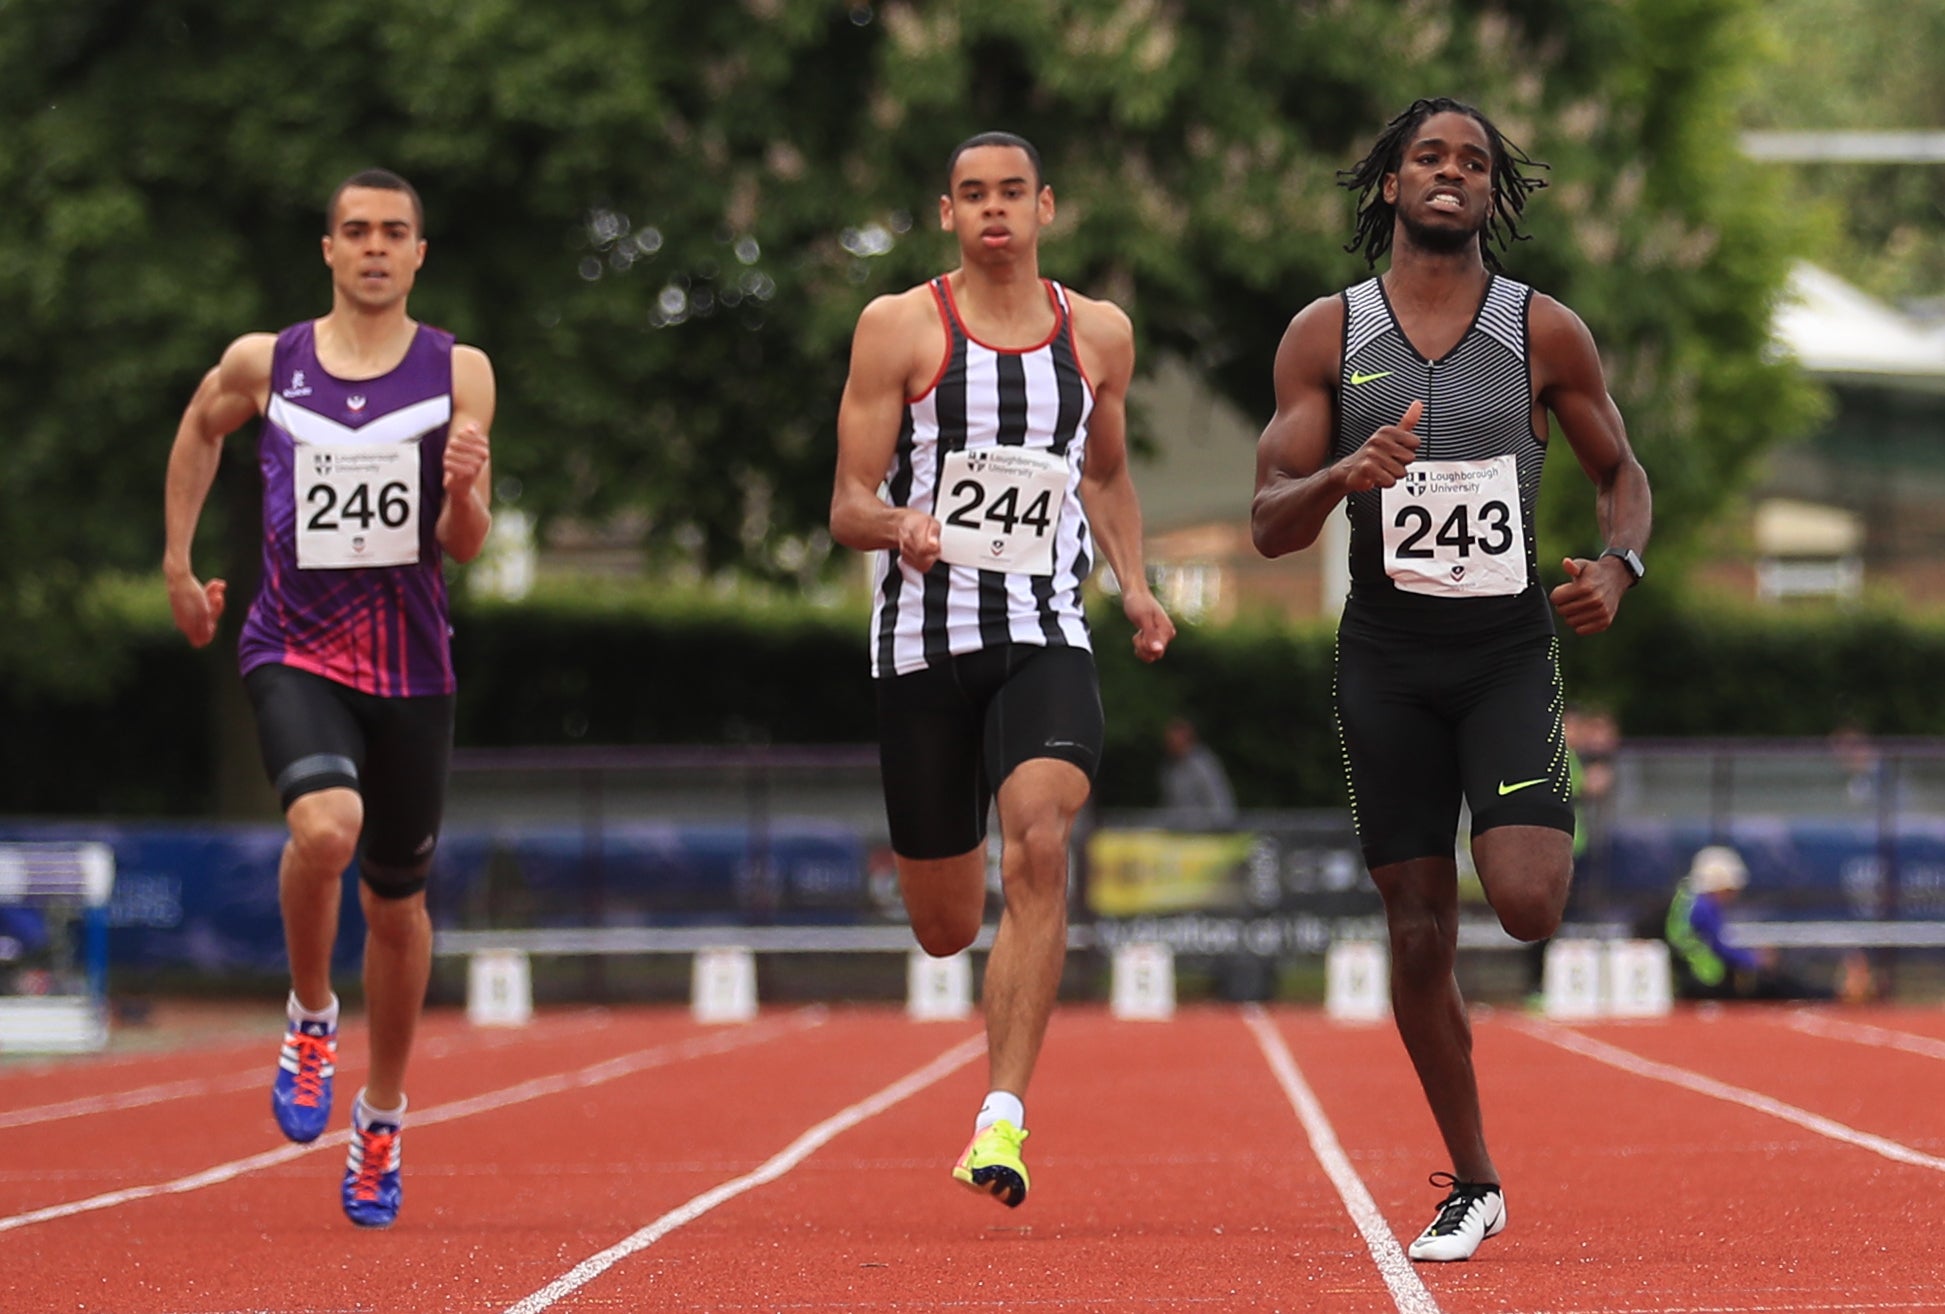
377, 1159
313, 1052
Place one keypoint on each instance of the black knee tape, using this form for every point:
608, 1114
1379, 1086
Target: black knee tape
394, 882
307, 775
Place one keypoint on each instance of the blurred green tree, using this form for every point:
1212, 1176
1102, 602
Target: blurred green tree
661, 220
1857, 66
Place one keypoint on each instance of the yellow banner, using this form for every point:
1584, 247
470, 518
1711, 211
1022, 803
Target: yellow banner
1131, 873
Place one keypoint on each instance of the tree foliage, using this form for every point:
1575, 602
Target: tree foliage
661, 222
1854, 66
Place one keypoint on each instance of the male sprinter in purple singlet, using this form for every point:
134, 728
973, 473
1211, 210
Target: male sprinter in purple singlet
374, 456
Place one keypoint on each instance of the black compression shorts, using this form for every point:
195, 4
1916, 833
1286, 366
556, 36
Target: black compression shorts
396, 752
1427, 721
951, 734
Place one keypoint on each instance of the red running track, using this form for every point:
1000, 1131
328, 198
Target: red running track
1743, 1160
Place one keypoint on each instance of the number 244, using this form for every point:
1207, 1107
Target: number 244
1004, 510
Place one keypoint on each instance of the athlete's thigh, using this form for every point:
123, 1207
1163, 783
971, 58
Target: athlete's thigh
936, 794
1399, 748
307, 731
1512, 748
1048, 706
407, 766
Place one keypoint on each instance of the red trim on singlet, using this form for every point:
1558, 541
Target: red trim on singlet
1060, 319
1074, 346
945, 359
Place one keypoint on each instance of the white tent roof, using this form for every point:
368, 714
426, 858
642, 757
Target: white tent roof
1838, 330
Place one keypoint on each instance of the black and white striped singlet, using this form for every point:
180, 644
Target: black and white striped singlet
985, 397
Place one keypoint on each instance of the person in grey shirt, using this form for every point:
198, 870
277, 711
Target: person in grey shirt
1195, 788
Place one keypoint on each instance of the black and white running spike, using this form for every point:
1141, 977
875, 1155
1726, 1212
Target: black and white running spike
1471, 1212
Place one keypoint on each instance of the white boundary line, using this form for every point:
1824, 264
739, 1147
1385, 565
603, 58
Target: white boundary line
1407, 1292
776, 1166
1814, 1024
165, 1091
1616, 1057
593, 1075
161, 1093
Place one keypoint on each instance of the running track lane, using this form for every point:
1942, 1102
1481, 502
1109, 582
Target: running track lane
230, 1244
125, 1134
1626, 1192
1613, 1225
1169, 1170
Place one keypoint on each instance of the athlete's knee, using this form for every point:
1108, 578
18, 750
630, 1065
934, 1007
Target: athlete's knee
1036, 856
1526, 872
945, 932
945, 899
1421, 948
324, 829
1531, 911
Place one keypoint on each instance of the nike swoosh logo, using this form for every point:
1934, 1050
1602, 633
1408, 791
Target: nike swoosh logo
1505, 789
1357, 378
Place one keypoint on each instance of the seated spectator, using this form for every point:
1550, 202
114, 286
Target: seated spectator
1708, 964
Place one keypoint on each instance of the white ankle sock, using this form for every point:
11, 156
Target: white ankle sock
296, 1012
364, 1115
1001, 1105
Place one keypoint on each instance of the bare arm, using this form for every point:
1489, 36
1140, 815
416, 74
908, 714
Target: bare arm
228, 397
1572, 385
1107, 490
883, 355
1297, 486
466, 515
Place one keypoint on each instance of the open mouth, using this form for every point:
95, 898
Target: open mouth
1445, 201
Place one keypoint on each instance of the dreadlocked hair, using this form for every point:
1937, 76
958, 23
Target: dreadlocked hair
1375, 215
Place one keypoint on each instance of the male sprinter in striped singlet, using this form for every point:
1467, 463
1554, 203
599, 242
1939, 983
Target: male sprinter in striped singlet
982, 458
374, 457
1420, 400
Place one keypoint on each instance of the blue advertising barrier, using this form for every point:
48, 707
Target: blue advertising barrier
204, 897
1799, 868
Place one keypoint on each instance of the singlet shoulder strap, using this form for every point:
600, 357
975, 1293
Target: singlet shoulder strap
1367, 315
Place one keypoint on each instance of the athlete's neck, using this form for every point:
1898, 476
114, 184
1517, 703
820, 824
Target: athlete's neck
1006, 306
357, 344
1432, 280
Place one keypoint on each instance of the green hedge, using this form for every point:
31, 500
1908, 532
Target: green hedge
612, 667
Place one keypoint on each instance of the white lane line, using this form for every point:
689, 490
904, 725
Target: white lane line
779, 1164
1816, 1306
1616, 1057
1813, 1024
593, 1075
163, 1092
133, 1099
1407, 1292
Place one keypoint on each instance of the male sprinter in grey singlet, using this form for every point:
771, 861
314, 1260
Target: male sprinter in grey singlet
1419, 400
981, 458
374, 455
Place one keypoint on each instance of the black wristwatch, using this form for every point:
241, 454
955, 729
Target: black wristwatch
1630, 559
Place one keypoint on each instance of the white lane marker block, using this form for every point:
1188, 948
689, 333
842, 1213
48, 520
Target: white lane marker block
1571, 985
723, 985
1143, 987
938, 989
1640, 982
1357, 981
499, 988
